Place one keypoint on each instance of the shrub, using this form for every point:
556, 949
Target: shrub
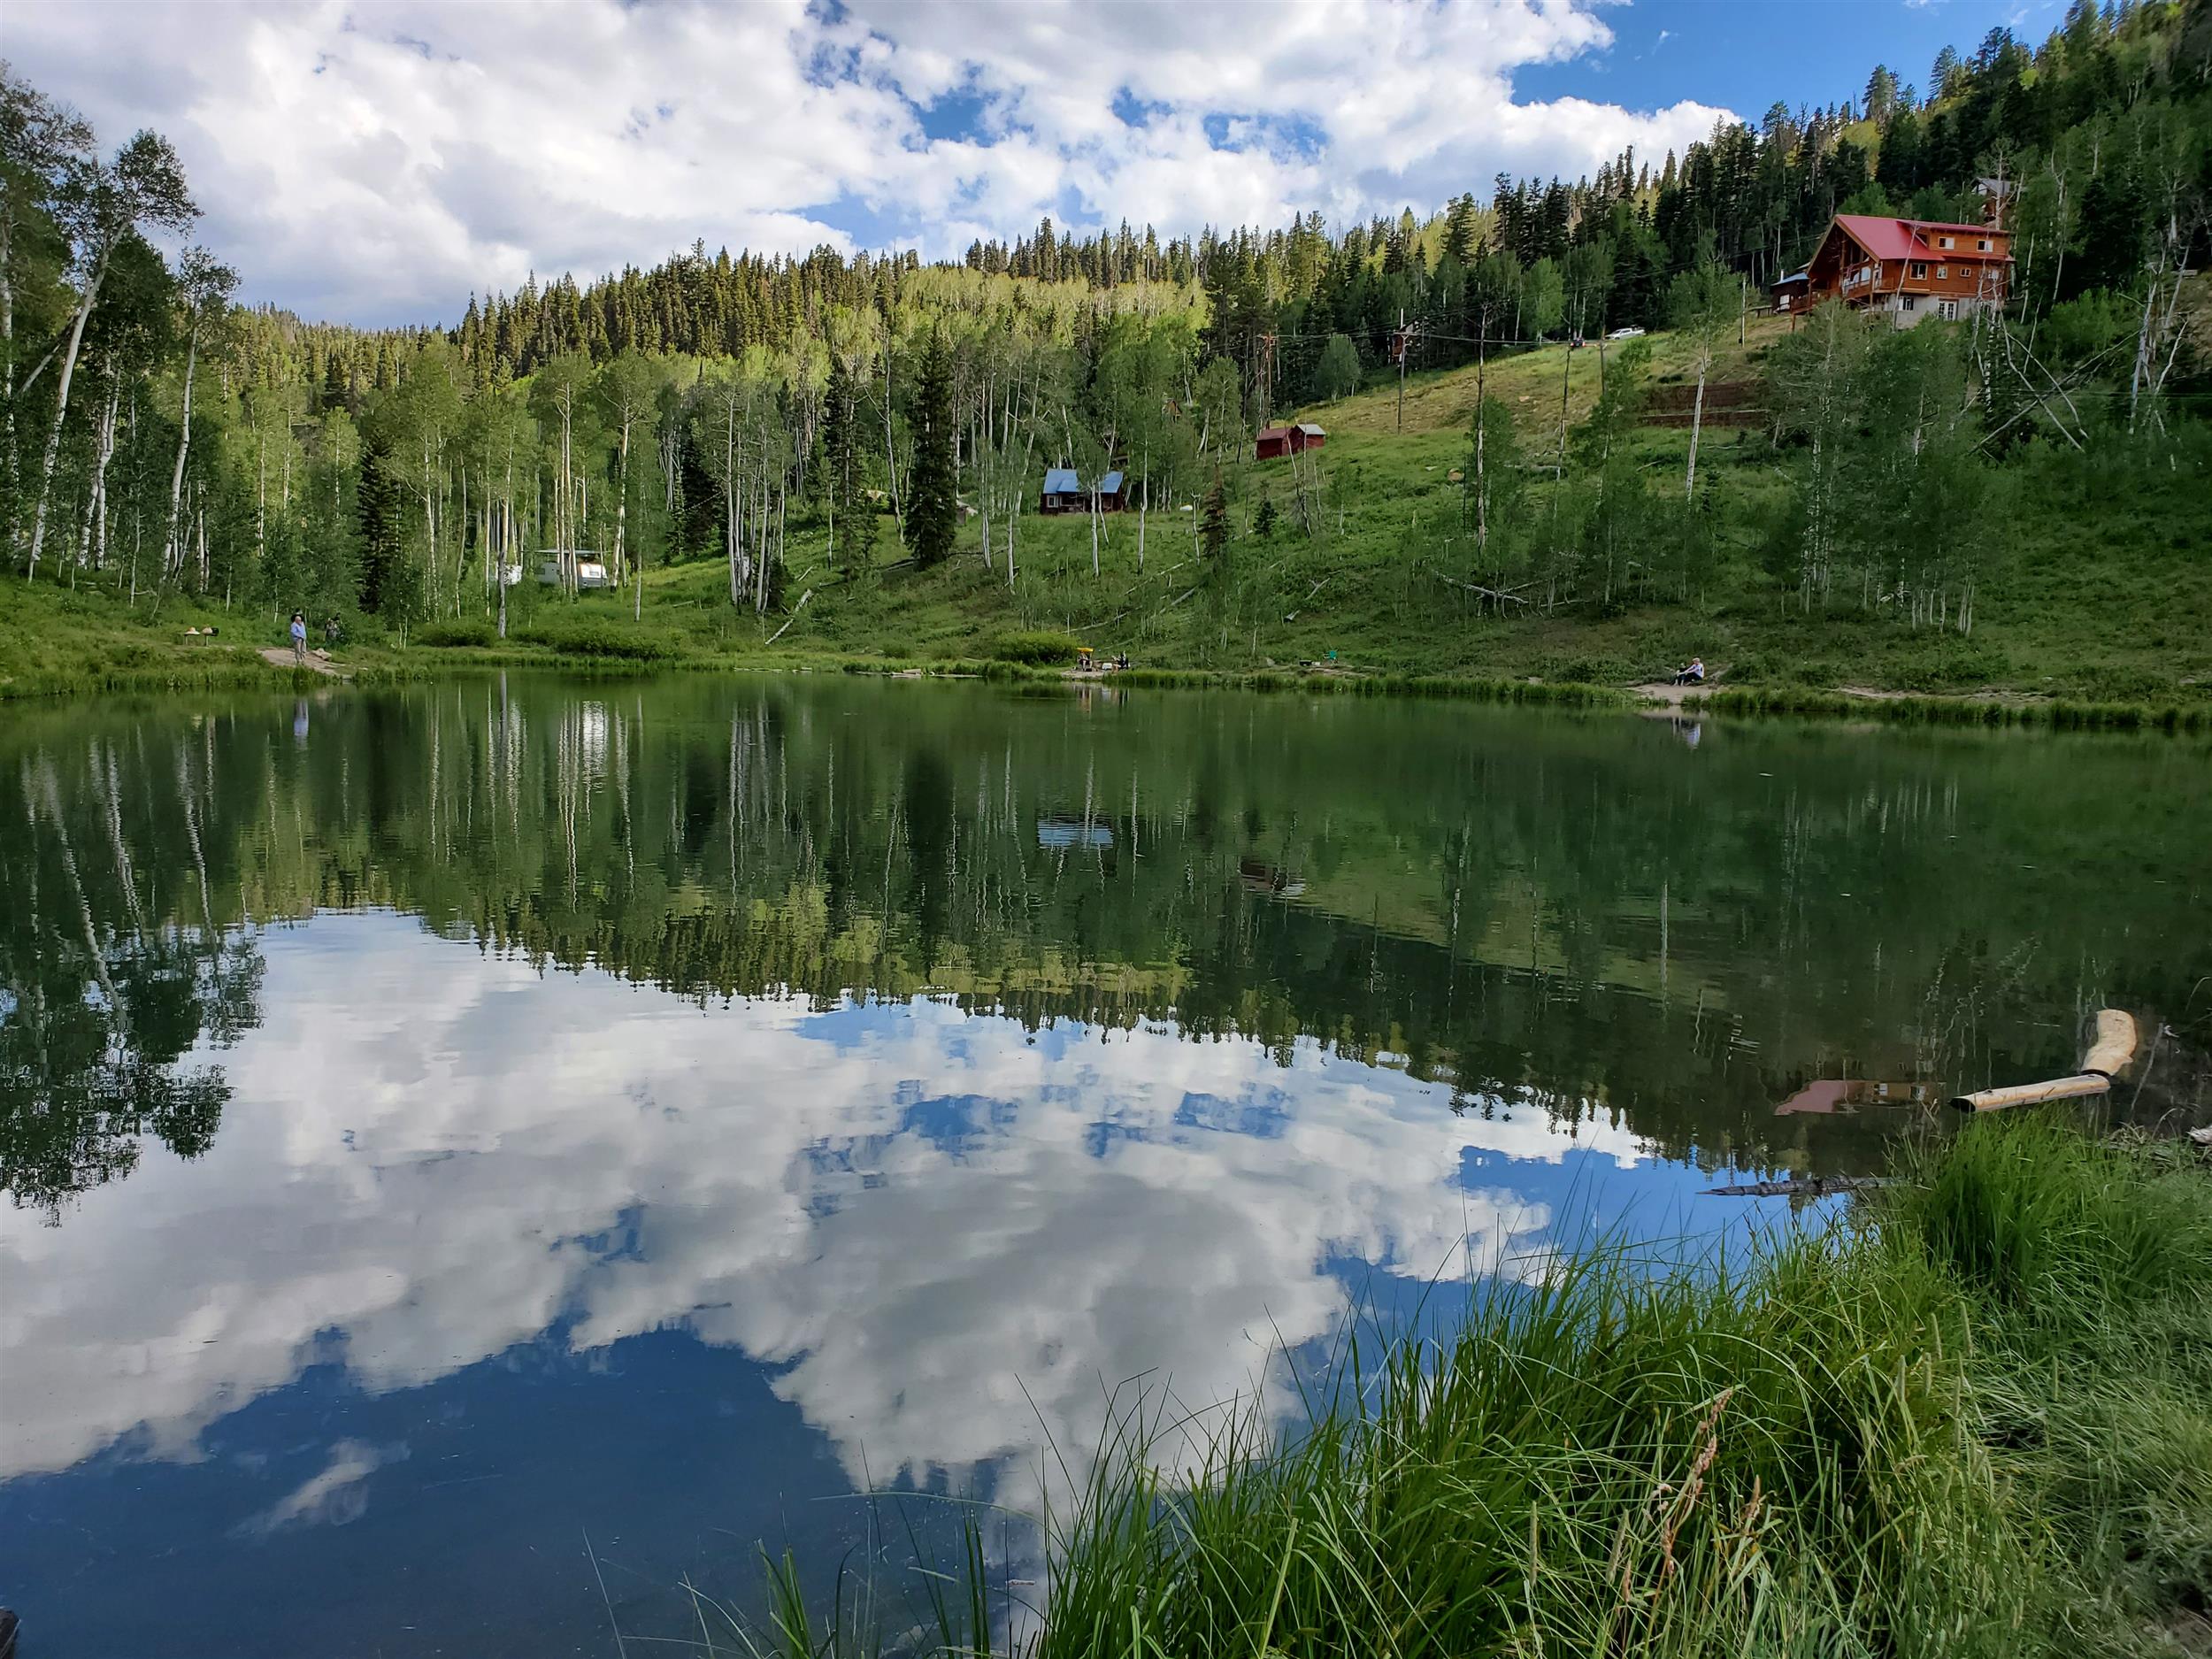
600, 639
457, 634
1038, 649
1588, 671
1951, 663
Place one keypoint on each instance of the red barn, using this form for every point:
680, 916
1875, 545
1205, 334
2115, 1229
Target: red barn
1277, 441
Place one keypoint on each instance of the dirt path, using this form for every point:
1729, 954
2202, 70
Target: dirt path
317, 662
1665, 691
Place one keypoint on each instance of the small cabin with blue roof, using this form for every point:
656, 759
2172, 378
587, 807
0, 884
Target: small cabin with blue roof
1064, 492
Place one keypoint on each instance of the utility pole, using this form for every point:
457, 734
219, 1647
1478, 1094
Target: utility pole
1402, 368
1566, 373
1482, 493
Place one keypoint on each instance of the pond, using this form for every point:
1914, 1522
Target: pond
484, 1156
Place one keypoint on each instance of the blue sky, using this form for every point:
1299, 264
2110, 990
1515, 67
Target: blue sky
1743, 58
378, 163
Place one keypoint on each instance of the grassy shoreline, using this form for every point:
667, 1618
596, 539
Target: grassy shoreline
55, 644
1973, 1417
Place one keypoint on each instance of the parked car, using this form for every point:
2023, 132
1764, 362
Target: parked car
1629, 332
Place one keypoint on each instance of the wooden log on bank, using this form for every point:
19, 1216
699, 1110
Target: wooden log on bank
1990, 1099
2114, 1051
2111, 1054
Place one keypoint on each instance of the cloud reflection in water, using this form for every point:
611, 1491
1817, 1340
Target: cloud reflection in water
942, 1227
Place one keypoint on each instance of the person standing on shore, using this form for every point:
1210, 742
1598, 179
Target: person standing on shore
299, 639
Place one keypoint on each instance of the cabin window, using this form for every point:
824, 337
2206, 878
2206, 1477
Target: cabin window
1948, 309
1911, 302
1942, 272
1983, 244
1943, 242
1919, 270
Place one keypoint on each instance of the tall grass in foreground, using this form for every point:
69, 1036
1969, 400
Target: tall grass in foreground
1974, 1418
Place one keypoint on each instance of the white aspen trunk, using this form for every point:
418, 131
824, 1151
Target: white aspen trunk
507, 530
138, 512
890, 452
461, 541
563, 501
7, 341
84, 533
99, 544
100, 532
170, 547
730, 492
760, 571
61, 413
2142, 354
430, 525
622, 505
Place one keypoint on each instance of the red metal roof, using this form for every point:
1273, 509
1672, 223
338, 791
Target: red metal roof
1909, 238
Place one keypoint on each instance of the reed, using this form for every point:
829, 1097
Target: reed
1974, 1415
2058, 714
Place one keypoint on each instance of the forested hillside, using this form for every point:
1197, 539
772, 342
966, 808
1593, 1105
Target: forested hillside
798, 429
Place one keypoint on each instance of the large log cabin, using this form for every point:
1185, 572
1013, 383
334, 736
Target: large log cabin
1911, 269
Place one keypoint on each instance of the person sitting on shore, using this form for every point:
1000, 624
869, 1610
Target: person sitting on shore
1693, 675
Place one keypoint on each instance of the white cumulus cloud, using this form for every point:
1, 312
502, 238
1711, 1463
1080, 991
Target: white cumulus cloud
378, 163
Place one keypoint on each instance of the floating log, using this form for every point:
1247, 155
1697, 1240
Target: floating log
2110, 1055
1797, 1187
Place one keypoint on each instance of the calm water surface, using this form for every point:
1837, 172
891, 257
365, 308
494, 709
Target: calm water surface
445, 1127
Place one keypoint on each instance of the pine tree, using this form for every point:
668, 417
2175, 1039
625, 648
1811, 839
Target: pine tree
1460, 240
1947, 65
1213, 524
933, 505
1881, 95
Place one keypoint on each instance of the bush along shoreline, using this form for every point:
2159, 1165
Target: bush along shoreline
1970, 1416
